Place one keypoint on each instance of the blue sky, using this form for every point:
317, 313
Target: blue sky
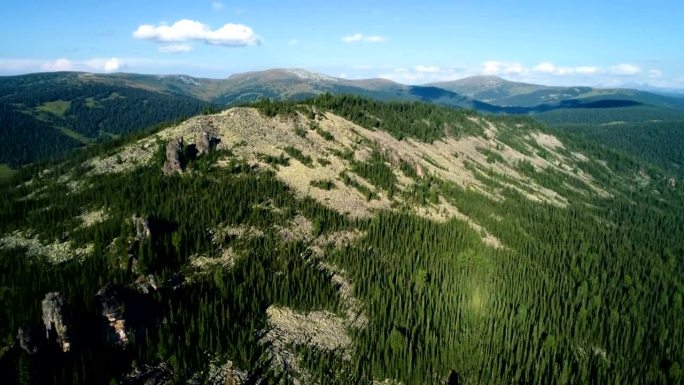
579, 42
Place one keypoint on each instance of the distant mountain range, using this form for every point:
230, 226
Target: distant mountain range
505, 93
46, 114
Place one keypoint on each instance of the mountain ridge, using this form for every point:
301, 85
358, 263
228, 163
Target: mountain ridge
342, 240
65, 122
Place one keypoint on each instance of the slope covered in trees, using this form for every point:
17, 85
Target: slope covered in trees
584, 292
46, 115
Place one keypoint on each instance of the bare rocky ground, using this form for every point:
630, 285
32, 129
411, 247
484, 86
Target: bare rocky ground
55, 252
250, 136
321, 330
93, 217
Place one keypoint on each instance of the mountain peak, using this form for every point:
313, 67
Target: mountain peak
284, 73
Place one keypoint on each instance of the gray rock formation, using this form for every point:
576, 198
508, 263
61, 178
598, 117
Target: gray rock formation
111, 307
56, 320
142, 227
225, 374
28, 340
204, 143
174, 157
146, 284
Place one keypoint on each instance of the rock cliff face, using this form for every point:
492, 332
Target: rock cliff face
204, 143
55, 318
174, 157
142, 227
125, 313
111, 307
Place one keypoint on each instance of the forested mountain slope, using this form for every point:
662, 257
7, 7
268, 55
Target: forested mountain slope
46, 115
343, 240
502, 92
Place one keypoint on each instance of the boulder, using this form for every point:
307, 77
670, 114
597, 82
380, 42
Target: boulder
174, 157
56, 320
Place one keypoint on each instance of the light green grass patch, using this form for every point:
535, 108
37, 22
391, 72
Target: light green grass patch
92, 103
75, 135
113, 96
57, 107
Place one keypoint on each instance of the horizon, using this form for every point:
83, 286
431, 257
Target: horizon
583, 44
645, 87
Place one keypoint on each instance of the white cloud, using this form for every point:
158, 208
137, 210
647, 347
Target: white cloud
422, 74
550, 68
102, 65
625, 69
113, 64
216, 5
359, 37
352, 38
545, 68
175, 48
501, 68
587, 70
64, 64
230, 35
293, 42
61, 64
427, 69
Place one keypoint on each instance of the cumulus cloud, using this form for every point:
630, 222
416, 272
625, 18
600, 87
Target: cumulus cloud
550, 68
359, 37
113, 64
217, 5
61, 64
501, 68
175, 48
625, 69
654, 73
98, 65
423, 74
103, 65
543, 70
230, 35
427, 69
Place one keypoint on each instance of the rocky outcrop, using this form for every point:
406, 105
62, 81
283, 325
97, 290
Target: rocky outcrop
226, 374
28, 339
203, 143
146, 284
142, 227
174, 157
150, 375
125, 313
111, 308
56, 320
